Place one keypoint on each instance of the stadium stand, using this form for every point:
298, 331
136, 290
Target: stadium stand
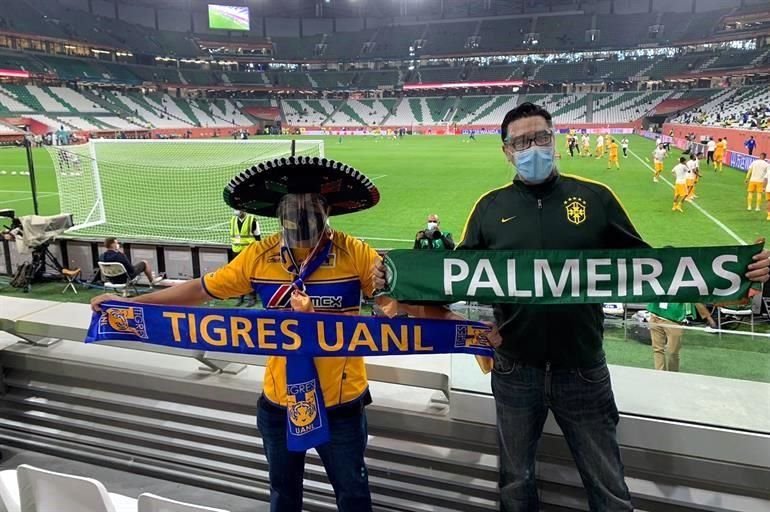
493, 73
503, 34
625, 107
76, 101
234, 116
136, 103
680, 27
121, 123
10, 102
677, 65
297, 47
736, 58
449, 38
82, 123
296, 80
347, 44
21, 17
361, 113
557, 73
435, 75
375, 79
21, 62
616, 30
439, 108
206, 114
745, 107
395, 41
331, 79
307, 113
345, 116
469, 107
242, 77
197, 77
157, 74
75, 69
406, 113
51, 122
494, 111
22, 94
561, 32
46, 101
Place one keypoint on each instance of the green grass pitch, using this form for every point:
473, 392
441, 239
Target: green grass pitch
445, 175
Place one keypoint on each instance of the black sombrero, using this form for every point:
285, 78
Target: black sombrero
258, 189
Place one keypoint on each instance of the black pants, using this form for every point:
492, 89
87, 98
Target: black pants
751, 151
625, 151
710, 157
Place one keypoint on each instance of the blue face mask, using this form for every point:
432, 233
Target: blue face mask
535, 164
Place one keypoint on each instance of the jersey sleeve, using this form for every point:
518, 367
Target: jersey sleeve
472, 236
620, 232
365, 257
233, 279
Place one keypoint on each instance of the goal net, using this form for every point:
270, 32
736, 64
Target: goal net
158, 189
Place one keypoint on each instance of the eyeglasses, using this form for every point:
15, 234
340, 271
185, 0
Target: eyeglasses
522, 142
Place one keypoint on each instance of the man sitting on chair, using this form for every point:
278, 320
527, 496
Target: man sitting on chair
113, 254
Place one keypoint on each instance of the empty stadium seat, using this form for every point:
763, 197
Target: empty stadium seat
9, 491
152, 503
41, 490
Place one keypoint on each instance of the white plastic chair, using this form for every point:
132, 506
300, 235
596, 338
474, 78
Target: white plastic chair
152, 503
114, 269
46, 491
9, 491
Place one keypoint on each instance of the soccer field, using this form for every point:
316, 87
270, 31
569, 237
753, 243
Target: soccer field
416, 176
227, 21
445, 175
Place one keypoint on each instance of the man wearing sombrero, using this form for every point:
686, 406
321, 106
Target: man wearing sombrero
309, 260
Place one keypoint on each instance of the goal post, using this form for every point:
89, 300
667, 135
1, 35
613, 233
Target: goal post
161, 189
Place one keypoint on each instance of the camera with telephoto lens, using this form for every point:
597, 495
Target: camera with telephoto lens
432, 234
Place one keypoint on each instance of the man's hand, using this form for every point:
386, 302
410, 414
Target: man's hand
420, 235
378, 276
96, 302
759, 271
494, 335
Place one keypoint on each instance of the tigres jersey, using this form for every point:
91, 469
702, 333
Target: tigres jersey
335, 287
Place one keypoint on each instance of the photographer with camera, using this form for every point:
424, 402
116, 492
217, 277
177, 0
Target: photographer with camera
433, 237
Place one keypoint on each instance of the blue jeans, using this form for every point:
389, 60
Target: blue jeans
342, 456
584, 407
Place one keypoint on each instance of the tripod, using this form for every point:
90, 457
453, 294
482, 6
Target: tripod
42, 259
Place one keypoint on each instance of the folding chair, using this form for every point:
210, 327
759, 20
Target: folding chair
743, 314
152, 503
72, 276
113, 270
45, 491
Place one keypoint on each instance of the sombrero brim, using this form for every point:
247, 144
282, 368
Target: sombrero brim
259, 189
